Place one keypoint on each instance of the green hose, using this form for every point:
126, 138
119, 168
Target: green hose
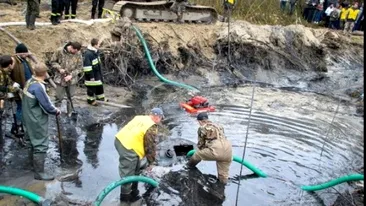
29, 195
257, 171
123, 181
347, 178
147, 52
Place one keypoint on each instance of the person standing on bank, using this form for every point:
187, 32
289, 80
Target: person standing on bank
67, 63
133, 142
100, 4
36, 109
74, 6
93, 73
31, 15
21, 73
212, 146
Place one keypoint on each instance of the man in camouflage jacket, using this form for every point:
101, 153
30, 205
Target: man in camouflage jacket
67, 63
212, 146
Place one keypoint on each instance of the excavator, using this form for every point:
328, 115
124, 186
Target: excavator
160, 11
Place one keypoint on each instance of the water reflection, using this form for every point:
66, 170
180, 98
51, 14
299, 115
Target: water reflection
69, 144
92, 141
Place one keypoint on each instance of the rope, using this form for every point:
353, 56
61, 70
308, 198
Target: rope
228, 38
245, 144
329, 128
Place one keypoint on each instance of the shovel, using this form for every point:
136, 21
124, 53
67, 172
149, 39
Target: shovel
74, 115
59, 137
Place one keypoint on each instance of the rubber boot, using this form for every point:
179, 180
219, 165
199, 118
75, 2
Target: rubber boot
27, 20
124, 198
53, 20
134, 195
92, 102
58, 19
32, 22
30, 158
38, 164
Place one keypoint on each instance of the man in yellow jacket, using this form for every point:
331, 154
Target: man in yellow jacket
343, 15
133, 142
351, 17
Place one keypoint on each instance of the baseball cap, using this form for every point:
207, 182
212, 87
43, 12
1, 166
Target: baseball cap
158, 112
202, 116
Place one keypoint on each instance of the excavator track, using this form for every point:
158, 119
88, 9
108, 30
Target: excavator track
159, 11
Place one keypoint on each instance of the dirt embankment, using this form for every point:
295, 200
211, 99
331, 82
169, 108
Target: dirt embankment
318, 60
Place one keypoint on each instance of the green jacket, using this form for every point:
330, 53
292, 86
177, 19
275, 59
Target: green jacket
72, 63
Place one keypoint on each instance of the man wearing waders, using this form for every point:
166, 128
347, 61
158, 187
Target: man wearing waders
133, 142
67, 63
212, 146
74, 5
93, 73
36, 109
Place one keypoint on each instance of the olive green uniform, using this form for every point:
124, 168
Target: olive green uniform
213, 146
72, 64
32, 13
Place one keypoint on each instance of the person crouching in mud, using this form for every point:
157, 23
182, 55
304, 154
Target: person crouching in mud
133, 142
212, 146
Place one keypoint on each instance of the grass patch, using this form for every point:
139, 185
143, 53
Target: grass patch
261, 11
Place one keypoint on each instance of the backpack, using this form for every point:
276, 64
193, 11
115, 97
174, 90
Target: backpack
334, 14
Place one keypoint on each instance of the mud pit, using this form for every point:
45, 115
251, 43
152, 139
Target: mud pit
288, 130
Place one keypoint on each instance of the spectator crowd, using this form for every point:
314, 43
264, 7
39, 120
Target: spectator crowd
334, 14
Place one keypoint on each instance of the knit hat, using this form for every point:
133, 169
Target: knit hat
21, 48
202, 116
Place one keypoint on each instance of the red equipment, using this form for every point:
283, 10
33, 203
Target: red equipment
197, 104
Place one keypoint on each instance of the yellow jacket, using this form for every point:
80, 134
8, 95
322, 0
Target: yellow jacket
352, 14
132, 135
344, 13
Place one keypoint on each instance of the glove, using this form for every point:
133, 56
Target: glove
58, 112
16, 85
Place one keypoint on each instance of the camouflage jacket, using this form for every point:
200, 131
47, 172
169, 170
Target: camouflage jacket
6, 84
209, 132
71, 63
150, 144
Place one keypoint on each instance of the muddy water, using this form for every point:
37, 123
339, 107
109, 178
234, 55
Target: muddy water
289, 138
286, 135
